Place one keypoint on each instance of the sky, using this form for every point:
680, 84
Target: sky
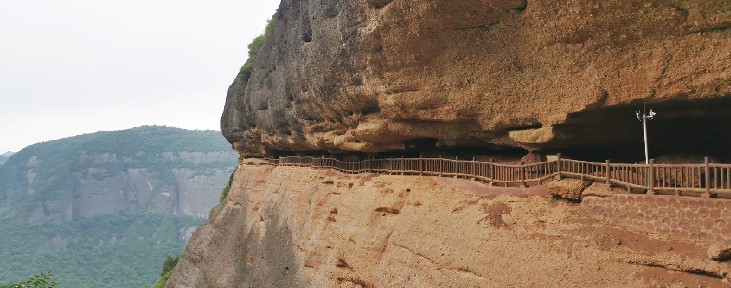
81, 66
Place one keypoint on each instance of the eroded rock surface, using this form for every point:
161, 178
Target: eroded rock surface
302, 227
544, 74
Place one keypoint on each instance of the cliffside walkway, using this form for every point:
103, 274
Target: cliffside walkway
697, 180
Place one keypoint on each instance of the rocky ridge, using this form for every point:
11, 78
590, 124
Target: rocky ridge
4, 157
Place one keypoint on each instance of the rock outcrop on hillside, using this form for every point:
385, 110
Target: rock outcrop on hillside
95, 191
545, 74
302, 227
151, 169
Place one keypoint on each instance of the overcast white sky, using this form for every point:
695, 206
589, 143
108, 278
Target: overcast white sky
80, 66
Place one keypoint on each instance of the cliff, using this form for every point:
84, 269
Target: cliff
372, 76
145, 169
427, 77
303, 227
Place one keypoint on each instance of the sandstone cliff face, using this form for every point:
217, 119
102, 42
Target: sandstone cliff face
301, 227
190, 193
102, 187
539, 74
143, 169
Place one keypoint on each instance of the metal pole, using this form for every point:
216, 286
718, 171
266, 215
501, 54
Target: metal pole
644, 130
644, 118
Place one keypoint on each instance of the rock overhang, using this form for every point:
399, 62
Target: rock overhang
496, 74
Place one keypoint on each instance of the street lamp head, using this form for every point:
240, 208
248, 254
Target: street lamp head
652, 114
638, 115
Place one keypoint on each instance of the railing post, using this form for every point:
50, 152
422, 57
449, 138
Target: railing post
394, 164
474, 169
491, 174
707, 194
608, 170
651, 178
441, 165
522, 174
421, 166
558, 166
403, 165
455, 167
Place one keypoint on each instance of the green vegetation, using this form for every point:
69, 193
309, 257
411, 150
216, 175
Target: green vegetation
254, 48
224, 191
108, 250
42, 280
167, 269
119, 250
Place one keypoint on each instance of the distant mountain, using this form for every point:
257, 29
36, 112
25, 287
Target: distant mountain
105, 209
151, 168
4, 157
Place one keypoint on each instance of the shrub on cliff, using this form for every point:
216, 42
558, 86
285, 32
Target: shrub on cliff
225, 190
167, 269
254, 48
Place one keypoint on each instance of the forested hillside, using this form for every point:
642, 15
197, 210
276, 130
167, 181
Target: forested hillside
118, 250
105, 209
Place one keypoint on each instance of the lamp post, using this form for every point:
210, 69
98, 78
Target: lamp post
644, 117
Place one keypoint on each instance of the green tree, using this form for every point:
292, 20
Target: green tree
169, 264
42, 280
167, 269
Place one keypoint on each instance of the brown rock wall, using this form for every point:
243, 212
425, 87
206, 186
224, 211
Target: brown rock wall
302, 227
375, 75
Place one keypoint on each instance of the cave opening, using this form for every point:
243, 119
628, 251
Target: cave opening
684, 130
430, 148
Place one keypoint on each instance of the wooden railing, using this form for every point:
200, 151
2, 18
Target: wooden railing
705, 180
